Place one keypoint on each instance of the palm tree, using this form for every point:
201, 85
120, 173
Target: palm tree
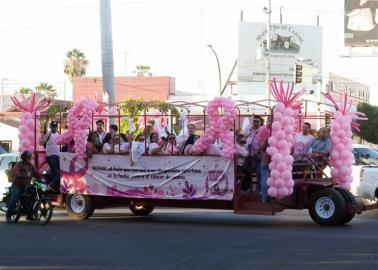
75, 64
46, 89
24, 90
142, 70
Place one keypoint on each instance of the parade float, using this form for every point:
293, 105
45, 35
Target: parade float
198, 180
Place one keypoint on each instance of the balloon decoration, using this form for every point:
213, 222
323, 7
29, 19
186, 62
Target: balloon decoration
78, 121
29, 126
285, 111
341, 156
220, 126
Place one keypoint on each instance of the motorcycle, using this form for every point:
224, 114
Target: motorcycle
33, 203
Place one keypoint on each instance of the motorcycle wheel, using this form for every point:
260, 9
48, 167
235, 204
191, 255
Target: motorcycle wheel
15, 217
43, 211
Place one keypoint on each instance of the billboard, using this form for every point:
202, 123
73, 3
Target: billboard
360, 23
290, 44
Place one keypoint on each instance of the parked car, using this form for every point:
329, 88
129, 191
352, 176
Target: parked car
5, 159
363, 156
368, 186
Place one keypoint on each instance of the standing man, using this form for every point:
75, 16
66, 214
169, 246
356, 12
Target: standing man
301, 147
253, 162
99, 135
52, 154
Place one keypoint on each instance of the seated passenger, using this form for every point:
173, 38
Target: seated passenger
125, 144
113, 130
322, 144
90, 147
171, 147
241, 151
188, 144
107, 146
156, 148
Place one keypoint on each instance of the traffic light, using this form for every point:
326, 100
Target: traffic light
298, 73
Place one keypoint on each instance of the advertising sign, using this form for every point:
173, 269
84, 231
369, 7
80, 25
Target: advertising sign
360, 23
156, 177
290, 44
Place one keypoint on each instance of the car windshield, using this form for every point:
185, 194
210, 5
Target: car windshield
365, 156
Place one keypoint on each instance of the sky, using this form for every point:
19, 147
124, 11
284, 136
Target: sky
171, 36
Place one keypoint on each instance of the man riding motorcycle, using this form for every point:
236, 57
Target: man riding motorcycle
22, 174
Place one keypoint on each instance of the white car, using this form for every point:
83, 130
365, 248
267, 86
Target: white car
363, 156
368, 187
5, 159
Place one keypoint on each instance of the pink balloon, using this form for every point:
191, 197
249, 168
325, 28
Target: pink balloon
276, 126
277, 157
281, 167
280, 135
272, 192
286, 175
274, 174
279, 182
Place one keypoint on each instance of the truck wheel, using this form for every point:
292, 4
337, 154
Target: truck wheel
350, 202
79, 206
140, 209
327, 207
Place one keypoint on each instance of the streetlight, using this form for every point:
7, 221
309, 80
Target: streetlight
219, 71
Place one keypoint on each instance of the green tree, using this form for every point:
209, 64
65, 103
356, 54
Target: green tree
142, 70
369, 128
76, 64
24, 90
46, 89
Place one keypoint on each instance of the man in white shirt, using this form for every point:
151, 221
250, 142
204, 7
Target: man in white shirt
99, 134
52, 154
302, 142
301, 147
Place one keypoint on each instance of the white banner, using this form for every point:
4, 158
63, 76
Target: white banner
158, 177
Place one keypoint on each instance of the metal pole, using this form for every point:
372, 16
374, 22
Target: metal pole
229, 77
267, 70
219, 70
281, 7
241, 15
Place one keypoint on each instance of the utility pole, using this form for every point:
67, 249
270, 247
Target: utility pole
107, 50
281, 7
268, 11
219, 69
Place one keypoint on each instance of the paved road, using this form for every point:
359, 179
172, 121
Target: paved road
190, 239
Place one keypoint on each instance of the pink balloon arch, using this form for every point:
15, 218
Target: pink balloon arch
341, 156
220, 126
29, 134
285, 112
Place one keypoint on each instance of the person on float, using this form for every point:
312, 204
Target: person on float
241, 153
171, 147
90, 148
321, 147
125, 143
99, 134
156, 147
108, 147
262, 139
22, 174
52, 154
301, 148
187, 150
253, 163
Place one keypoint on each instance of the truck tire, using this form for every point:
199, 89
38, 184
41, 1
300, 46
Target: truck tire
327, 207
350, 202
140, 209
79, 206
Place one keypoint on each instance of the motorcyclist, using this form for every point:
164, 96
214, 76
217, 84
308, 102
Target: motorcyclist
22, 174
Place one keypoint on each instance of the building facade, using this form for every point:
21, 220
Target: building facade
147, 88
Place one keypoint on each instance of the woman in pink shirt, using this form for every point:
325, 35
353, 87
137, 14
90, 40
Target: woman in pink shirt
171, 147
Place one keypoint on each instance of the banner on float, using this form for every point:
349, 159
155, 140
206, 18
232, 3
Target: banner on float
154, 177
